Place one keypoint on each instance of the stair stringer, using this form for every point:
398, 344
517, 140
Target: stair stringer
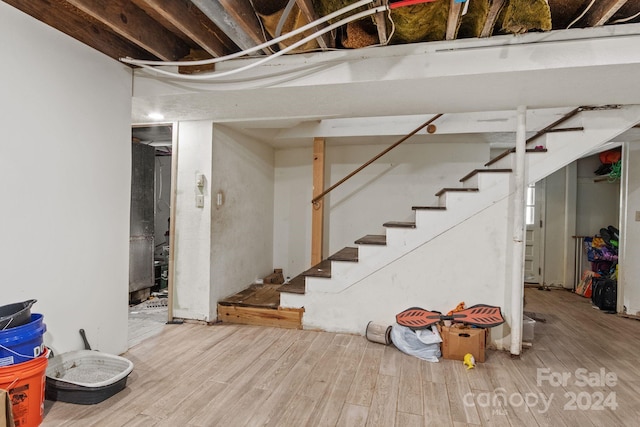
600, 126
469, 262
400, 241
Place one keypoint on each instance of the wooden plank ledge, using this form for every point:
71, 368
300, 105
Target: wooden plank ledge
459, 190
477, 171
429, 208
399, 224
288, 318
513, 150
295, 285
349, 254
372, 239
256, 295
323, 269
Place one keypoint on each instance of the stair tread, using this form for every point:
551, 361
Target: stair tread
323, 269
256, 295
458, 189
399, 224
426, 208
295, 285
477, 171
372, 239
513, 150
345, 254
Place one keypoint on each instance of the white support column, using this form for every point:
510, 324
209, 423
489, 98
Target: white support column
517, 278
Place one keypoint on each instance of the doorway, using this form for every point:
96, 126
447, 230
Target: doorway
150, 219
534, 238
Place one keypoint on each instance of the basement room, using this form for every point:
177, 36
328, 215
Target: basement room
320, 213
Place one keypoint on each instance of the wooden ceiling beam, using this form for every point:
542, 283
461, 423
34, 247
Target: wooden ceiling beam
453, 23
324, 41
236, 18
490, 23
381, 23
602, 11
73, 22
132, 23
187, 19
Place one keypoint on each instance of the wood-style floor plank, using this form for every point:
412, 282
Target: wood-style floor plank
195, 375
382, 412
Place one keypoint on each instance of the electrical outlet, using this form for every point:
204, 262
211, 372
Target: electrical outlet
199, 201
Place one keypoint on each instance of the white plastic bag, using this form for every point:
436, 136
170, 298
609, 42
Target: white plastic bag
424, 343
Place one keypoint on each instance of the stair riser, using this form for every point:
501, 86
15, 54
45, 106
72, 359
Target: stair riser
290, 300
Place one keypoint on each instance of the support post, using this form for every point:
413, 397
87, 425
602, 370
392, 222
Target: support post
317, 207
172, 223
517, 279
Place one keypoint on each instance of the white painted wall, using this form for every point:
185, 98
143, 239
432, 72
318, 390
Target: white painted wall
598, 203
628, 284
220, 250
65, 168
559, 228
242, 227
384, 191
192, 246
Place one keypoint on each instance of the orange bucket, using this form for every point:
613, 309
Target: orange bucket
25, 384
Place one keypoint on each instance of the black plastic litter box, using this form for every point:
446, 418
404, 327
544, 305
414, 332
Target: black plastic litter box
17, 314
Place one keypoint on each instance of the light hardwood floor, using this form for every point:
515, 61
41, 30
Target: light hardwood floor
237, 375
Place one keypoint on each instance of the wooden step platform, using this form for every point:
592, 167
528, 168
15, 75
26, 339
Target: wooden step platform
399, 224
259, 305
348, 254
477, 171
372, 239
456, 189
295, 285
323, 269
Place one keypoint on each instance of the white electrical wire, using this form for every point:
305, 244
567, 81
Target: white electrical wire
621, 20
581, 15
208, 76
259, 47
283, 17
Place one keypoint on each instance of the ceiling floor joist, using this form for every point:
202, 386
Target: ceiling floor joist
236, 18
132, 23
66, 18
185, 18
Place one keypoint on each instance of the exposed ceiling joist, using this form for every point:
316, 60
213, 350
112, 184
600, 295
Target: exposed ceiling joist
132, 23
494, 12
309, 12
71, 21
190, 21
602, 11
236, 18
381, 23
453, 23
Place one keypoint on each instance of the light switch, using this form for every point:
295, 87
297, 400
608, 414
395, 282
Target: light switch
199, 180
637, 215
199, 201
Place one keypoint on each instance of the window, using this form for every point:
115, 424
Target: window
530, 210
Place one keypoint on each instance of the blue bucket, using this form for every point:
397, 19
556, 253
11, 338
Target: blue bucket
22, 343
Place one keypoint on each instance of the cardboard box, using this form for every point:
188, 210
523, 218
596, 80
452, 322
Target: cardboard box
456, 342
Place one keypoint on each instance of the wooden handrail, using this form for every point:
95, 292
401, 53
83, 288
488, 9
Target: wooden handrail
364, 165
